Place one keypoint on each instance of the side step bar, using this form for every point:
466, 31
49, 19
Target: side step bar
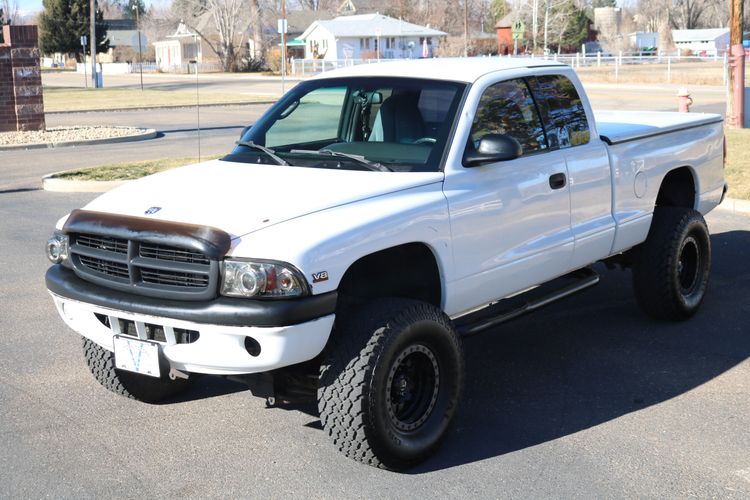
512, 307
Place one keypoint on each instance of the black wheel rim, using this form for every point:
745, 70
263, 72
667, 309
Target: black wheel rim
412, 389
688, 266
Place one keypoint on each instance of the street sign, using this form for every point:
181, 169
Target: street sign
518, 29
281, 26
84, 40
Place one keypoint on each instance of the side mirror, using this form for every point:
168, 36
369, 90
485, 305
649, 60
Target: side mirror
245, 130
493, 148
376, 98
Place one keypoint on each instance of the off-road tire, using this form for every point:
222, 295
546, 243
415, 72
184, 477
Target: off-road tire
359, 401
671, 268
101, 363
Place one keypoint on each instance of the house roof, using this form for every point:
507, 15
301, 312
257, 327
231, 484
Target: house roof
123, 38
507, 21
369, 25
698, 35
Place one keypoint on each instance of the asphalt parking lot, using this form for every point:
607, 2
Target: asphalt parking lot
587, 398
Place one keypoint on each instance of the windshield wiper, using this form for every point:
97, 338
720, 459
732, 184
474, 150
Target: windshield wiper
270, 152
375, 167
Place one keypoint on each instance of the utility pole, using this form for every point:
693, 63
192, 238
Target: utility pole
92, 44
466, 28
283, 44
140, 49
736, 101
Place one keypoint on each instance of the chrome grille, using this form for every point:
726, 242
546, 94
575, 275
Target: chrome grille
145, 268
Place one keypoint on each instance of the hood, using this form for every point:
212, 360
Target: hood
240, 198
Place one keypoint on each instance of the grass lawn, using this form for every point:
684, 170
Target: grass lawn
737, 173
129, 170
72, 99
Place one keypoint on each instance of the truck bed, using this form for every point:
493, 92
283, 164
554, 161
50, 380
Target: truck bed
622, 126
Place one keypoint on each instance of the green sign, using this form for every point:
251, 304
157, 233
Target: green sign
518, 29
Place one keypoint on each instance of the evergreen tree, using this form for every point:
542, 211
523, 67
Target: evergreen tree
64, 22
129, 9
499, 9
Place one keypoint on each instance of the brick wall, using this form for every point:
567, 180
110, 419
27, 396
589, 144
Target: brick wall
21, 103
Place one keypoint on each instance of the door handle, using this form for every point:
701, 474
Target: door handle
557, 181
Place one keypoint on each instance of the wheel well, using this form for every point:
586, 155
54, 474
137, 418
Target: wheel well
408, 271
677, 189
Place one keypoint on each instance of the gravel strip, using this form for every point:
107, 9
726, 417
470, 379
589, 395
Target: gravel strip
66, 134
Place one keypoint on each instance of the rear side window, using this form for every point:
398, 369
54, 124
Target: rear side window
507, 108
562, 111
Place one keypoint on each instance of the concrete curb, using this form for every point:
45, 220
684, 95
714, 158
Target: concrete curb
70, 186
141, 136
168, 106
739, 207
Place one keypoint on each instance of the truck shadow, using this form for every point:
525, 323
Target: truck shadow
593, 358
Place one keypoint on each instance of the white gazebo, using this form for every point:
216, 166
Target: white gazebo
179, 49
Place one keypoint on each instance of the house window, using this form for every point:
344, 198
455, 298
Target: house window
390, 43
364, 44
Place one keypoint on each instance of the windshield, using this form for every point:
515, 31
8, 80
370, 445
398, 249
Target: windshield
378, 124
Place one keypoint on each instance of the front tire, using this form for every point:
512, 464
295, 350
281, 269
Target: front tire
672, 267
101, 363
391, 383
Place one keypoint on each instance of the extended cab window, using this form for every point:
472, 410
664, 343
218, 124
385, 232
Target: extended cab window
562, 111
507, 108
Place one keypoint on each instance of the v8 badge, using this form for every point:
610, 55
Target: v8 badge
321, 276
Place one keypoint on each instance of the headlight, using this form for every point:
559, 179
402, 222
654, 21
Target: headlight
57, 248
262, 279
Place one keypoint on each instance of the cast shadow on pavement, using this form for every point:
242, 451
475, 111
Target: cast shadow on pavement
581, 362
593, 358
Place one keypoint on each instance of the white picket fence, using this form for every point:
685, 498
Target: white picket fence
303, 68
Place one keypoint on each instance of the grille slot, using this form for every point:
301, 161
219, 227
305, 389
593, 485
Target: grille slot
105, 267
174, 278
173, 254
102, 243
145, 268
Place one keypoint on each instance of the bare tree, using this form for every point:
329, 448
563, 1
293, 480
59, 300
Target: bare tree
9, 8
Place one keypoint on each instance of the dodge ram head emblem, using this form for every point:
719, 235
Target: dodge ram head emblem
152, 210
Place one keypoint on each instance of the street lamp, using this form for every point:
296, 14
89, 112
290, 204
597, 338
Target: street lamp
140, 51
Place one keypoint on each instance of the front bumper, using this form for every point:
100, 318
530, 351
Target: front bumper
286, 335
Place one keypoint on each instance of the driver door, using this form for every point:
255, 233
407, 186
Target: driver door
510, 220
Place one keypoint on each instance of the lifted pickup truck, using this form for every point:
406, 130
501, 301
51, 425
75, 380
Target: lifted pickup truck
369, 219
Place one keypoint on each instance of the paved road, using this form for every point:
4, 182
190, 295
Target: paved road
587, 398
240, 83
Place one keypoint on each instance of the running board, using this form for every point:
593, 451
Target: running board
512, 307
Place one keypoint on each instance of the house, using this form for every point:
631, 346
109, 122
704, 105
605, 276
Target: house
368, 36
640, 40
703, 41
504, 31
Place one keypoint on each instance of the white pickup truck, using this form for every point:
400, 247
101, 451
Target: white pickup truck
368, 220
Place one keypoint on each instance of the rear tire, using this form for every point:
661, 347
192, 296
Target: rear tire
391, 383
101, 363
671, 268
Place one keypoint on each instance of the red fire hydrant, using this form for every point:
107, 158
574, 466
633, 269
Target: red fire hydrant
685, 101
